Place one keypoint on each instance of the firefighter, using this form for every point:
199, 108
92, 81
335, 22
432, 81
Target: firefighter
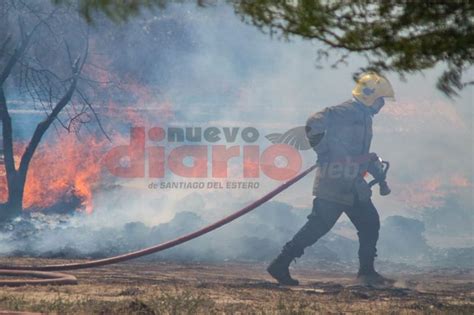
339, 185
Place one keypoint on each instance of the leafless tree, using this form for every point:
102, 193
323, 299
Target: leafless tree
43, 54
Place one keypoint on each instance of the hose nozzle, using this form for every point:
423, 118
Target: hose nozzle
384, 189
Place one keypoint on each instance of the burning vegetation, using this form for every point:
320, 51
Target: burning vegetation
62, 174
54, 69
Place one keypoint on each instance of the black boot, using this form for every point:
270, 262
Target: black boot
279, 269
369, 277
373, 279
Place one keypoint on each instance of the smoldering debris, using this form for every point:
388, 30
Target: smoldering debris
403, 237
454, 258
454, 218
257, 237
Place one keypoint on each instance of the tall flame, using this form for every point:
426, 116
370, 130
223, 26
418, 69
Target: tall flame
68, 167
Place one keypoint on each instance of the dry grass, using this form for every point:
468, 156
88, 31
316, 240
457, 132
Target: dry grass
165, 288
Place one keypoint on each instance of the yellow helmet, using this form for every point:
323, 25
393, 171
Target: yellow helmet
371, 86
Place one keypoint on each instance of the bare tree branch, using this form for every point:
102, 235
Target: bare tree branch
44, 125
95, 114
5, 43
17, 54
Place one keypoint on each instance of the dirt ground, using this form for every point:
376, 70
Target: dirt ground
142, 287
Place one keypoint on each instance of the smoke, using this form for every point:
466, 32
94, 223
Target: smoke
256, 237
187, 66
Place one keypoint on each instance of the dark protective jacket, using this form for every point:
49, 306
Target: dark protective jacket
343, 152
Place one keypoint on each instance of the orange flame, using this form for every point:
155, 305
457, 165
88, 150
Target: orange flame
68, 167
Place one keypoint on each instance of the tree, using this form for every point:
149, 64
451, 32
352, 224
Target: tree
43, 51
400, 36
119, 10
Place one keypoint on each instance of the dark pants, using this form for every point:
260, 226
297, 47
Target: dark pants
325, 214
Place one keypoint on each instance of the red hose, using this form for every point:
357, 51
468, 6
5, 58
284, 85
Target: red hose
57, 278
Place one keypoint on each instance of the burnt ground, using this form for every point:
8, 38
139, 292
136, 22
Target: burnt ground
143, 287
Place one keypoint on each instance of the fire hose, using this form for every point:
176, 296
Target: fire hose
47, 274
